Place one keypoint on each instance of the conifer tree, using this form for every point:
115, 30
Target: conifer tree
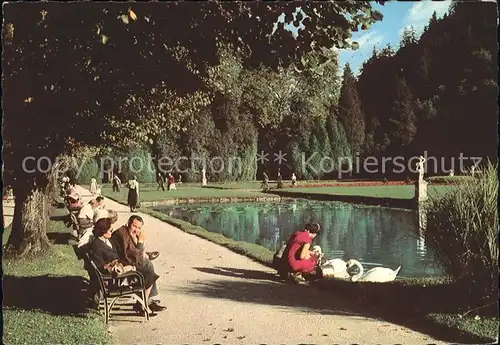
350, 114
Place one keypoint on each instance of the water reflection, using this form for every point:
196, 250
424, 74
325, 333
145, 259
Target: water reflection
374, 235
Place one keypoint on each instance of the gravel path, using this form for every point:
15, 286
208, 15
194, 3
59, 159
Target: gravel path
214, 296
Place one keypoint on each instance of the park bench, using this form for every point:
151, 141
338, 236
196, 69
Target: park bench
112, 288
73, 219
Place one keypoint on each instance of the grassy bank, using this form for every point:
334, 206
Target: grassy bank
182, 192
44, 296
394, 192
429, 305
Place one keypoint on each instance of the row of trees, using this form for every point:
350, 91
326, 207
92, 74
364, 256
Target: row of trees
118, 80
436, 94
73, 76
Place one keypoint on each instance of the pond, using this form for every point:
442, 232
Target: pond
376, 236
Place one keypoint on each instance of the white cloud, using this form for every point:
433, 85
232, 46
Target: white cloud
419, 14
369, 39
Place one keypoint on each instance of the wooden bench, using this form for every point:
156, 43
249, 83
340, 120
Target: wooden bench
112, 288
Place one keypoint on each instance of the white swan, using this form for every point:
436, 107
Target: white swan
377, 274
335, 268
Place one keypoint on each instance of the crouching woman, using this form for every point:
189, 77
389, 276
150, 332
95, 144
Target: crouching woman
300, 259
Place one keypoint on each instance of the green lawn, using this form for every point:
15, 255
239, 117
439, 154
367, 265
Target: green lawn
242, 190
43, 299
151, 194
396, 192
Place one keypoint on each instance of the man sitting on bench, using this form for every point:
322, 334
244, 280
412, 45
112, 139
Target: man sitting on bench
129, 243
102, 253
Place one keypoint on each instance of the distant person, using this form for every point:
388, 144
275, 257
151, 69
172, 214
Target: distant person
265, 182
179, 179
93, 186
160, 180
116, 183
133, 194
279, 179
294, 180
171, 182
298, 257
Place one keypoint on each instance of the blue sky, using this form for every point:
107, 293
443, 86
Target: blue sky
397, 16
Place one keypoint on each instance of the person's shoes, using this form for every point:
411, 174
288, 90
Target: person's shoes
156, 306
139, 309
153, 255
296, 278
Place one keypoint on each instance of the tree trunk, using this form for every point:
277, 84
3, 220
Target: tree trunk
29, 225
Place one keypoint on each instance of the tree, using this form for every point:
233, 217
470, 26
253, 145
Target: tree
75, 53
403, 119
350, 113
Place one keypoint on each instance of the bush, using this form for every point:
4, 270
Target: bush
462, 228
88, 171
140, 164
450, 179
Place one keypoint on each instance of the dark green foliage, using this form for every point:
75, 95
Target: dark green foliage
349, 111
138, 163
444, 98
402, 124
88, 170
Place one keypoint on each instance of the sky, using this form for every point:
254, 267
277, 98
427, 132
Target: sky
397, 16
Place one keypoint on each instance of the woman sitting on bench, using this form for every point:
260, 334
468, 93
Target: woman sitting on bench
102, 253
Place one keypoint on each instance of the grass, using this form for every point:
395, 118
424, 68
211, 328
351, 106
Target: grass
450, 179
44, 298
238, 190
396, 192
183, 192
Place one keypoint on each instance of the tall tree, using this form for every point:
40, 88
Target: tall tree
350, 113
403, 120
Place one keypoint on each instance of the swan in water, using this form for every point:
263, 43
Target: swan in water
377, 274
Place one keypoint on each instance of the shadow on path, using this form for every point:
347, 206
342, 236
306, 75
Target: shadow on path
52, 294
260, 287
263, 288
238, 273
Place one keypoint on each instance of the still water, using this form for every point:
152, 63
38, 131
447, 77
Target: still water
375, 236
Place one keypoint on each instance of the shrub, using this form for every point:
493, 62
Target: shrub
462, 228
140, 164
88, 171
450, 179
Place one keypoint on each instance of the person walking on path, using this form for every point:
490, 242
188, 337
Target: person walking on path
116, 183
133, 194
160, 180
265, 182
93, 187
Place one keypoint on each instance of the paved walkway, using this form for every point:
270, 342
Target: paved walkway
8, 212
214, 296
